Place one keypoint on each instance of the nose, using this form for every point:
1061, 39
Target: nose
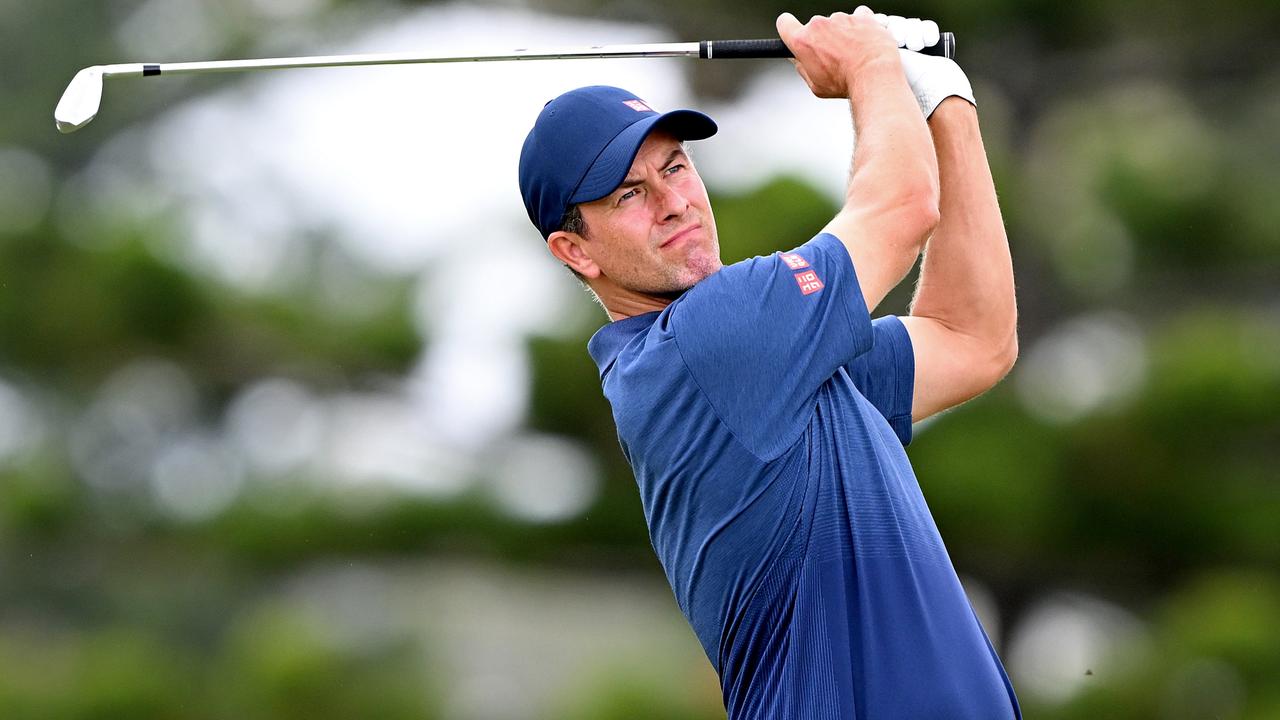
671, 202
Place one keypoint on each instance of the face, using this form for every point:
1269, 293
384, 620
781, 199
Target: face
654, 235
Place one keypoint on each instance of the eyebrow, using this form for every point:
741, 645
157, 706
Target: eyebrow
629, 183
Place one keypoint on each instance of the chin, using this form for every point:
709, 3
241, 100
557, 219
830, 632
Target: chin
701, 267
674, 281
693, 274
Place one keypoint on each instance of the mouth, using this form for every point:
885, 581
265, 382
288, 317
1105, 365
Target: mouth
680, 235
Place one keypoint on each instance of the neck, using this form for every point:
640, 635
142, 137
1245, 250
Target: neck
621, 303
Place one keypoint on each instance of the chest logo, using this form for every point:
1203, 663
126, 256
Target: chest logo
808, 282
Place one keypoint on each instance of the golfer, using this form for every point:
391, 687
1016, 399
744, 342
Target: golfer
763, 411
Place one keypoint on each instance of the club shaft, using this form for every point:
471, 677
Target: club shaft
689, 49
706, 49
80, 101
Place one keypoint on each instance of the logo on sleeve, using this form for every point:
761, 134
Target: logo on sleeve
808, 282
794, 261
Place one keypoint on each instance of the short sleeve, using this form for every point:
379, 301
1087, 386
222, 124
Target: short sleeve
761, 336
885, 374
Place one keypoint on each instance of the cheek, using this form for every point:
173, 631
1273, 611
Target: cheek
627, 252
694, 189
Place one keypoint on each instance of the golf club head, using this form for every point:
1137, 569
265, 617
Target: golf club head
80, 101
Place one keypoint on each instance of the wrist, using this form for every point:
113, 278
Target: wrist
872, 72
953, 126
953, 110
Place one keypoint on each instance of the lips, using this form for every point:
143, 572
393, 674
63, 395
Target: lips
680, 235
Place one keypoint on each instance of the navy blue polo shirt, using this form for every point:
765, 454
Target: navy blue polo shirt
765, 417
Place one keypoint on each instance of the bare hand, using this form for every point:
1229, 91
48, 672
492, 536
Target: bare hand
830, 51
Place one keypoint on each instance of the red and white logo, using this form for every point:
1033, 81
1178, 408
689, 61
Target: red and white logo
794, 261
637, 105
808, 282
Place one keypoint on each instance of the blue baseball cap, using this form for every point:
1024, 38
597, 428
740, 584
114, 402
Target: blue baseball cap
583, 144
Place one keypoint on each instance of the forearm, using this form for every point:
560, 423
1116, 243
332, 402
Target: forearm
892, 200
966, 278
894, 165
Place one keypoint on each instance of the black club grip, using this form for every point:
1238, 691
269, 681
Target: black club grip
775, 48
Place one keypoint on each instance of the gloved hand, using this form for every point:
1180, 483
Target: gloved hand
911, 33
932, 79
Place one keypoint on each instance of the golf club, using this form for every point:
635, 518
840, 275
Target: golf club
82, 98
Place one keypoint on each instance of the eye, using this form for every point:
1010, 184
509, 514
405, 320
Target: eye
628, 195
672, 170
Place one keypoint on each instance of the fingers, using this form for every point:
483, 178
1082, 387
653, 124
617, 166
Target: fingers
915, 35
788, 25
788, 29
910, 33
804, 75
931, 33
897, 26
830, 48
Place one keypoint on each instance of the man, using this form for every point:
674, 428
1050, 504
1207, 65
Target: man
763, 412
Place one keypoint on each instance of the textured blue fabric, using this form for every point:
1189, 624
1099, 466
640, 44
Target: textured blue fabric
765, 416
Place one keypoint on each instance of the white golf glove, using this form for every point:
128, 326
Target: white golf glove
910, 33
932, 79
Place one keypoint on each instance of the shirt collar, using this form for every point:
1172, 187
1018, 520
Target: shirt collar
609, 340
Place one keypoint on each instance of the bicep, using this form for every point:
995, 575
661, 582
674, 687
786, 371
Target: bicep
950, 366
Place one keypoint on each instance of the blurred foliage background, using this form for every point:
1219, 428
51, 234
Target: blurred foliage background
220, 501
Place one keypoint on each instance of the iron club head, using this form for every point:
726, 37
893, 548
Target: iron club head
80, 101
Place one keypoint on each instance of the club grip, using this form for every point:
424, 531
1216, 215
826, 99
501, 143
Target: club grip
775, 48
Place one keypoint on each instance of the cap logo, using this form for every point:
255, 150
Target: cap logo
637, 105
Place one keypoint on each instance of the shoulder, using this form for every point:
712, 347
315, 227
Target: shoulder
824, 253
747, 291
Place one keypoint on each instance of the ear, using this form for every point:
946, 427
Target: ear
567, 247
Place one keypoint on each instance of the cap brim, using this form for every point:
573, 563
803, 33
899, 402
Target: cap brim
611, 166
